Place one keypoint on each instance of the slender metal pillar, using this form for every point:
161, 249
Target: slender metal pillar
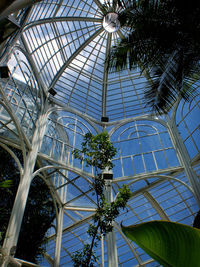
184, 159
102, 251
14, 225
59, 237
111, 240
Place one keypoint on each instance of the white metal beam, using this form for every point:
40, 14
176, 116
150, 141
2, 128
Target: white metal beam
184, 158
59, 230
14, 225
111, 240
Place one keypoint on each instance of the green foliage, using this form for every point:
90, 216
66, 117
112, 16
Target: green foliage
39, 212
38, 218
123, 196
80, 258
6, 184
169, 243
108, 212
8, 173
164, 42
98, 151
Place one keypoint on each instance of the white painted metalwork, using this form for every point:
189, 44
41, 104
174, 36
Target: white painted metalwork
63, 45
23, 189
185, 160
58, 237
110, 237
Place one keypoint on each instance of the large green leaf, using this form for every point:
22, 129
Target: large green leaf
169, 243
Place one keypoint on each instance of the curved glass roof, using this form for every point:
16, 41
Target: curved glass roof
69, 45
60, 56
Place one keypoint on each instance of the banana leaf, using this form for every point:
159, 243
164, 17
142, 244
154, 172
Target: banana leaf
169, 243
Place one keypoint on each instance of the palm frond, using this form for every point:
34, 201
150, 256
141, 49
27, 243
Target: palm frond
163, 40
171, 78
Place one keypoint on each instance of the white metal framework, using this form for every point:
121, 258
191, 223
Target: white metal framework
58, 90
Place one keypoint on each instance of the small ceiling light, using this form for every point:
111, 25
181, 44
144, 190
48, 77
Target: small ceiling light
104, 119
111, 22
52, 91
4, 72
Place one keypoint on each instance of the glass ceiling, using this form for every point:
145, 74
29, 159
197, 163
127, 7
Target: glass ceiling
69, 45
63, 46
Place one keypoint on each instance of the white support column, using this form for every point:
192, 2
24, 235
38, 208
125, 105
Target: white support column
111, 240
184, 159
14, 225
59, 236
102, 251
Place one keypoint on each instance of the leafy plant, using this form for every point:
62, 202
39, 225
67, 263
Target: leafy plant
6, 184
163, 41
98, 151
169, 243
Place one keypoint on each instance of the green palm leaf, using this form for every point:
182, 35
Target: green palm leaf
162, 38
169, 243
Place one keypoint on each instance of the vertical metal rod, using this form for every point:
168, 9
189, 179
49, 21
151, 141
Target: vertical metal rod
59, 237
102, 251
111, 240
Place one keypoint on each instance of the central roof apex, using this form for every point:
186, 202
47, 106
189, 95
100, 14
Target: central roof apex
111, 22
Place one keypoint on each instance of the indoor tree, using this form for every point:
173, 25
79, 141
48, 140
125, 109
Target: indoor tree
97, 151
163, 40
